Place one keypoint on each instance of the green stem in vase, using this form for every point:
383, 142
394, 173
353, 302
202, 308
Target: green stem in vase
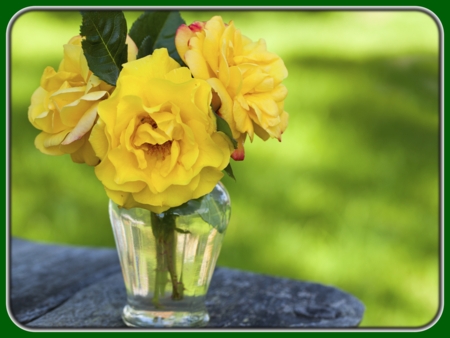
160, 273
163, 228
170, 250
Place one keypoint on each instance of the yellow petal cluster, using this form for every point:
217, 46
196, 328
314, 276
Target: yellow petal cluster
245, 76
64, 107
156, 136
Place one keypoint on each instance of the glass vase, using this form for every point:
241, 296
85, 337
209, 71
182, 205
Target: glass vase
168, 259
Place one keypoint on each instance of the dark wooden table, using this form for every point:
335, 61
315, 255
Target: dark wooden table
53, 286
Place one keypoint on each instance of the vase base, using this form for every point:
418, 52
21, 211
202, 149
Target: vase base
142, 318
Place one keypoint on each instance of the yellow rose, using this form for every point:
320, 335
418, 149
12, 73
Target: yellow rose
246, 77
64, 107
156, 136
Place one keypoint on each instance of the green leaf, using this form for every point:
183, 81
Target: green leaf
223, 126
215, 210
188, 208
146, 48
229, 171
157, 29
104, 45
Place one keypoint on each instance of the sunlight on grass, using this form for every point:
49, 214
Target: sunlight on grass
348, 198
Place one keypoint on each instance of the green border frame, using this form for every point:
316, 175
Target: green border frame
436, 7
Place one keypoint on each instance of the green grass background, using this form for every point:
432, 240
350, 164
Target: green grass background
349, 198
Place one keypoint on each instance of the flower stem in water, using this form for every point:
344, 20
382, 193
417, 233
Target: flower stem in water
163, 228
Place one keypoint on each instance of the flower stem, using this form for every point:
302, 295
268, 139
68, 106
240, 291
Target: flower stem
160, 275
163, 228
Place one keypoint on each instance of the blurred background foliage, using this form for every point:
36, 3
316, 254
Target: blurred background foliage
350, 197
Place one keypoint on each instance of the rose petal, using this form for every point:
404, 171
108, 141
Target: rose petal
98, 139
49, 143
84, 125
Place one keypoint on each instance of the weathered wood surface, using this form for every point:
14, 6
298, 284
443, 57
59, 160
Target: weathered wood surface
72, 287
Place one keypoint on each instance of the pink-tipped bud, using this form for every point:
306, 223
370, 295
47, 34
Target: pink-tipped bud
239, 153
184, 34
197, 26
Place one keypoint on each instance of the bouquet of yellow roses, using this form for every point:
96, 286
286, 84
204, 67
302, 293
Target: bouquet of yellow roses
159, 111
